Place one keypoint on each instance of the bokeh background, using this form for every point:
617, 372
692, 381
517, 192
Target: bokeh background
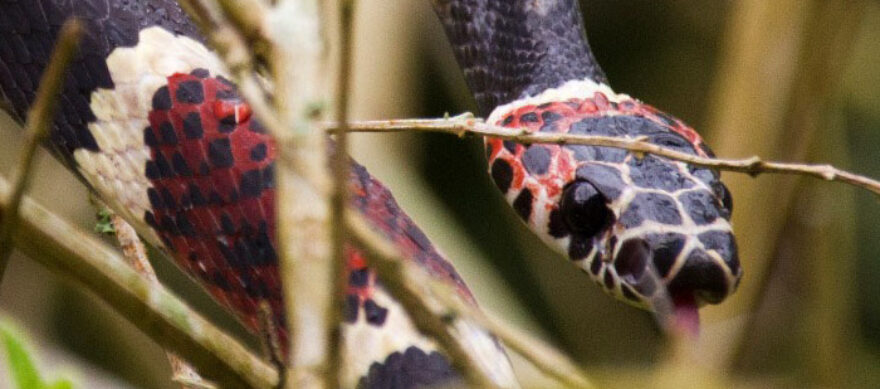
795, 80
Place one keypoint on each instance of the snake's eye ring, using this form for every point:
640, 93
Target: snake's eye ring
584, 209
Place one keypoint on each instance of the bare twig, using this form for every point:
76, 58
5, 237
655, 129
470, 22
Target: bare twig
543, 356
39, 121
303, 186
468, 125
408, 285
271, 343
285, 38
339, 201
77, 255
411, 285
135, 253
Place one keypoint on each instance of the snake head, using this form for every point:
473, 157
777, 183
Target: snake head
645, 228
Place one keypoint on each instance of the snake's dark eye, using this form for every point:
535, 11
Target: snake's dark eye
584, 208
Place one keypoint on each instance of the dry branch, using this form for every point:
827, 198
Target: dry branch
285, 41
38, 123
466, 124
429, 301
408, 285
303, 186
135, 253
77, 255
340, 197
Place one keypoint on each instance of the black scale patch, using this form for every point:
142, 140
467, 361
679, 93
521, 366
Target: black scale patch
523, 204
537, 159
502, 174
413, 368
651, 206
725, 245
700, 205
606, 179
667, 248
656, 173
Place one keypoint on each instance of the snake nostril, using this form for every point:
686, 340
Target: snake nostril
632, 260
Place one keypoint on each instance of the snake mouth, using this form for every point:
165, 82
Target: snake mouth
703, 276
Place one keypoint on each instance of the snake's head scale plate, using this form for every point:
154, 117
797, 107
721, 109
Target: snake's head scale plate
640, 226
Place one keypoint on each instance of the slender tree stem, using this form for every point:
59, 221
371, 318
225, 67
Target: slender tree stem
408, 285
39, 120
135, 254
339, 201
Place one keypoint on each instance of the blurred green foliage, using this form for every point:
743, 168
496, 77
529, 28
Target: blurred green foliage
23, 371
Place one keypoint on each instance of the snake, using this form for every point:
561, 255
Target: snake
150, 122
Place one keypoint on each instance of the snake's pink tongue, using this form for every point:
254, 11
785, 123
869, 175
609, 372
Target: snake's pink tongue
686, 316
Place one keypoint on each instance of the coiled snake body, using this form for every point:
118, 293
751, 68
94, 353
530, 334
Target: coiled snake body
151, 124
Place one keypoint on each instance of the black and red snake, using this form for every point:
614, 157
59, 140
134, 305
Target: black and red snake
151, 124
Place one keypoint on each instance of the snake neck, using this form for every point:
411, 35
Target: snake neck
514, 49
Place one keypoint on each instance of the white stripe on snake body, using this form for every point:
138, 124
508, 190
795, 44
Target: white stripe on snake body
117, 171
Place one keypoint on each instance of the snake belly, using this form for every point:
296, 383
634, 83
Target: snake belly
149, 121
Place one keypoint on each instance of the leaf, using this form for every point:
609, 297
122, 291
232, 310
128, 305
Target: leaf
60, 384
104, 225
21, 365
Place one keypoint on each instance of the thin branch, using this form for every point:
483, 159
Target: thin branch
38, 123
286, 39
468, 125
77, 255
135, 253
303, 186
407, 285
339, 201
545, 357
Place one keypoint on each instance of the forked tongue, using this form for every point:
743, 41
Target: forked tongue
676, 313
685, 320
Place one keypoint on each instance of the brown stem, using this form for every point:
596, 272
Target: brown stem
339, 199
407, 284
135, 253
39, 120
467, 125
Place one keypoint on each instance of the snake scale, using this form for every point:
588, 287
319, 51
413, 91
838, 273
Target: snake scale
151, 123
